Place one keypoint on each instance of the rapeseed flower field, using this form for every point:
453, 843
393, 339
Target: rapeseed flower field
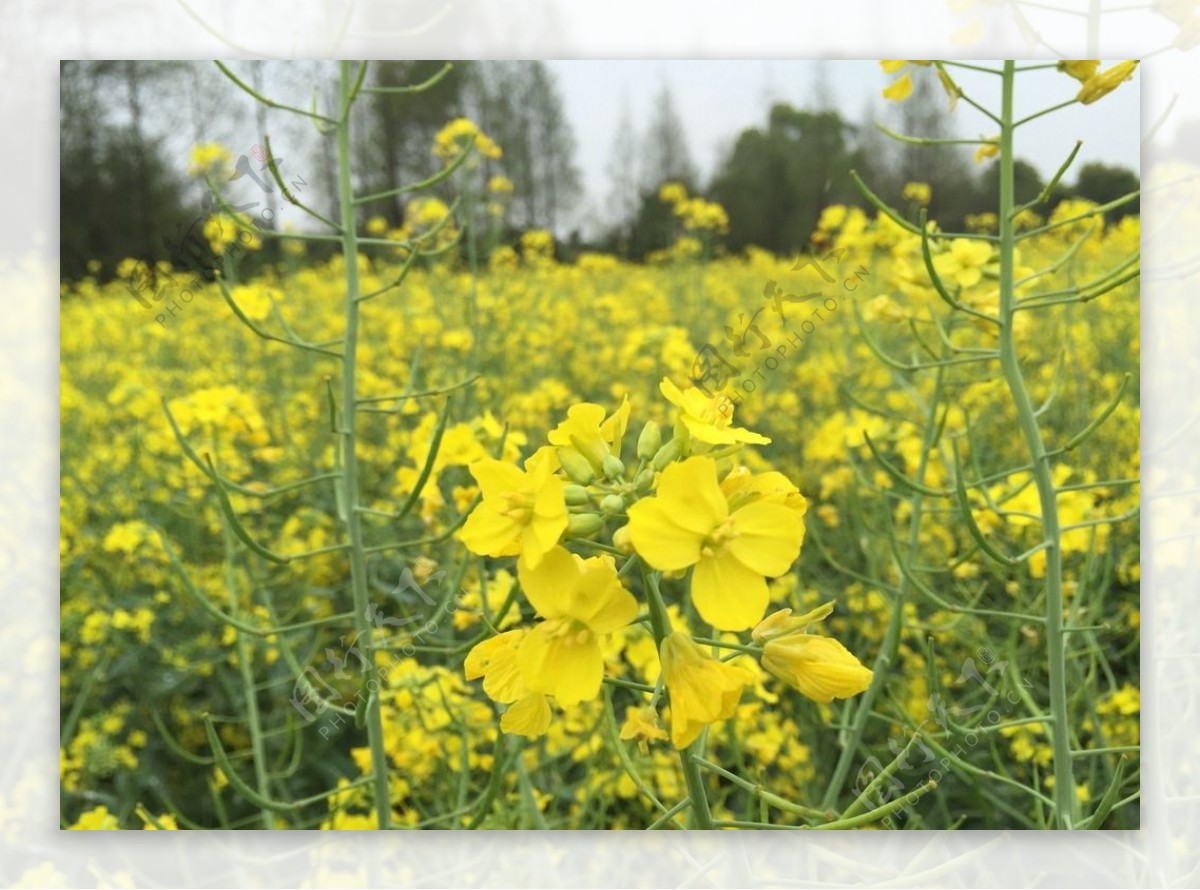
398, 539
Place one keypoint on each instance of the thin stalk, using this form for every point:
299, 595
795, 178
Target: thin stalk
1066, 802
246, 671
348, 483
891, 639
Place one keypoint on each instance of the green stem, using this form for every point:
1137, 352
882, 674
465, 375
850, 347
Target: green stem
1066, 802
891, 640
349, 480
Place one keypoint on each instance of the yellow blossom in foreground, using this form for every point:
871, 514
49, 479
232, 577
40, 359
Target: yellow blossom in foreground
819, 667
588, 432
702, 689
495, 659
522, 512
689, 523
581, 601
704, 418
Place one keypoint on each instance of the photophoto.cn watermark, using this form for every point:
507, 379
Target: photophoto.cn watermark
956, 741
316, 698
189, 249
712, 372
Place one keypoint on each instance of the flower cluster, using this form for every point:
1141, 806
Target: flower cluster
685, 503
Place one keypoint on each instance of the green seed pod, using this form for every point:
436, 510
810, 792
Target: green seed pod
613, 467
576, 495
649, 441
575, 465
583, 524
613, 504
667, 454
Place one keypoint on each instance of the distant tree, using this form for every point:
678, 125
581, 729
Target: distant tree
519, 105
775, 182
945, 168
1027, 184
622, 174
665, 154
1103, 183
396, 130
119, 196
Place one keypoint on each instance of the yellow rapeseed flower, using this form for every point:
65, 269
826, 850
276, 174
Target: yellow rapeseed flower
688, 522
522, 512
963, 263
1099, 85
900, 89
819, 667
642, 724
702, 690
1080, 69
581, 602
591, 434
495, 659
704, 418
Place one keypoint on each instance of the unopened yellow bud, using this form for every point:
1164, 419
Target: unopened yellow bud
576, 495
576, 466
669, 453
649, 441
622, 541
581, 525
613, 467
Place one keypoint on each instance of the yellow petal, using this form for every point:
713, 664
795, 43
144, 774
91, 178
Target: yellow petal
659, 540
891, 66
599, 600
568, 665
819, 667
900, 90
488, 533
496, 477
528, 717
495, 660
727, 594
768, 537
548, 584
691, 492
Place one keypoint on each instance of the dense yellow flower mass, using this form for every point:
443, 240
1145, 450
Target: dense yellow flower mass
590, 537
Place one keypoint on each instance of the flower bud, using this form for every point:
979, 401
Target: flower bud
581, 525
781, 623
575, 465
649, 441
622, 541
576, 495
644, 480
667, 454
613, 504
613, 467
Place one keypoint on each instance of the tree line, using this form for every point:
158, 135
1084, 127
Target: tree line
126, 126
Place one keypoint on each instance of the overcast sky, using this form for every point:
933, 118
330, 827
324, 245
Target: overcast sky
718, 99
